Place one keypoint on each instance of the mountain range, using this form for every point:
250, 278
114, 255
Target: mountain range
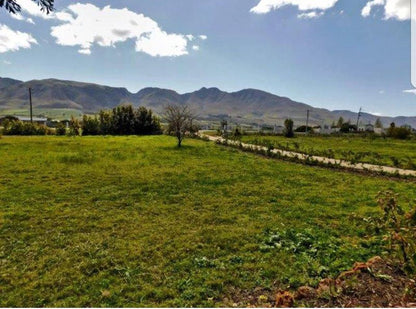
249, 106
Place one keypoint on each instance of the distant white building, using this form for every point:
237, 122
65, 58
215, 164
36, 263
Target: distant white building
335, 129
278, 129
369, 127
317, 129
379, 131
38, 120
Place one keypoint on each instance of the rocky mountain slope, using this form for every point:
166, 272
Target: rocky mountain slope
245, 106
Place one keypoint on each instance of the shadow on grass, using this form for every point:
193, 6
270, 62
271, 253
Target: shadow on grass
175, 147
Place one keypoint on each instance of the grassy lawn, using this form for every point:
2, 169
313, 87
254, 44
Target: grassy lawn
388, 152
134, 221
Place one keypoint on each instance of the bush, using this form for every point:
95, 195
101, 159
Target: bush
399, 133
347, 128
60, 129
304, 129
237, 134
16, 127
74, 127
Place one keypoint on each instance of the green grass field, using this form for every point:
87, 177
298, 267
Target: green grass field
54, 113
135, 221
377, 150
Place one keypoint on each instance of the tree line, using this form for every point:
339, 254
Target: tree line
121, 120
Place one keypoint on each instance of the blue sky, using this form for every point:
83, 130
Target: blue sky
328, 53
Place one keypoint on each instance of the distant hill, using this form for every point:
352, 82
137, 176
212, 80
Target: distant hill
53, 93
245, 106
7, 82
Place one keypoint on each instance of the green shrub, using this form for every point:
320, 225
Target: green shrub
399, 132
60, 129
16, 127
237, 134
74, 127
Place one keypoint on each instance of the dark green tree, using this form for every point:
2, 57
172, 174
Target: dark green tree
145, 122
90, 125
122, 120
106, 122
289, 128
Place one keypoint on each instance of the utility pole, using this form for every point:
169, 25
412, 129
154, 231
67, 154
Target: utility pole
358, 117
30, 101
307, 121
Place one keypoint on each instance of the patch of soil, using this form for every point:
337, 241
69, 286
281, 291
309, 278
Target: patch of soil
376, 283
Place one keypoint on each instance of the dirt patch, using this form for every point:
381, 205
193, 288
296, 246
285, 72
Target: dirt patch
376, 283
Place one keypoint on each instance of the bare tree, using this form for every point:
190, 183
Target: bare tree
179, 119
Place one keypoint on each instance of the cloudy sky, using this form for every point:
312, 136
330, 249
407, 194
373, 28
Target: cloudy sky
337, 54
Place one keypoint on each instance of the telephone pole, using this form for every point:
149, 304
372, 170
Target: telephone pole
358, 117
307, 121
30, 101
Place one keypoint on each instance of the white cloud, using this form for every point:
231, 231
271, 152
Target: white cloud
19, 16
203, 37
265, 6
195, 47
398, 9
86, 25
393, 9
85, 51
11, 40
413, 91
160, 43
367, 8
6, 62
310, 15
376, 114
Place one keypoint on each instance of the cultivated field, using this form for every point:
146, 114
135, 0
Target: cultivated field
374, 150
135, 221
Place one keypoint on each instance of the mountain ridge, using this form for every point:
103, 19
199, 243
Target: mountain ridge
245, 106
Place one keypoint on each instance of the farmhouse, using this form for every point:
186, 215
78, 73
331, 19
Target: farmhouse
38, 120
369, 127
278, 129
317, 129
379, 131
366, 128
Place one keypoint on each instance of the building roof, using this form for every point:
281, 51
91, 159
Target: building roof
24, 118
